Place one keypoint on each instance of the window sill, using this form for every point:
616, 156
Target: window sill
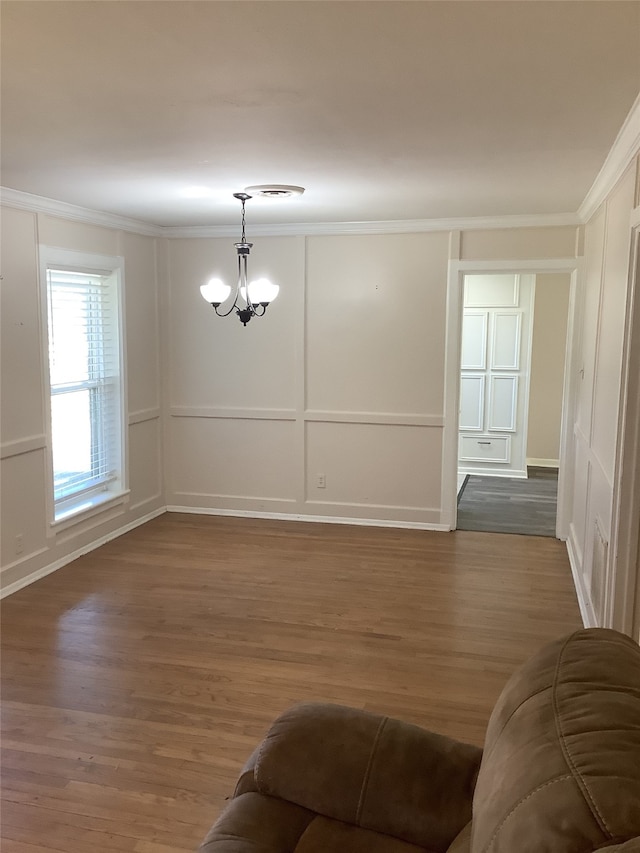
88, 507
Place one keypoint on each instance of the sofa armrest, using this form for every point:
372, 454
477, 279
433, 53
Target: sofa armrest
370, 771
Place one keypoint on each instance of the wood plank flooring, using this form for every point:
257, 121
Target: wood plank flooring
136, 680
509, 504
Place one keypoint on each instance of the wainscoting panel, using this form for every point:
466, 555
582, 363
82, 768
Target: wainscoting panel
377, 465
226, 457
23, 506
145, 461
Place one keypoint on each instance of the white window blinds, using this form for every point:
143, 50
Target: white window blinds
84, 369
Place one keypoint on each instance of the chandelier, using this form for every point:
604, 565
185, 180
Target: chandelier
251, 298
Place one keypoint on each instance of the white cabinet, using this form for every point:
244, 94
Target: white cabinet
494, 381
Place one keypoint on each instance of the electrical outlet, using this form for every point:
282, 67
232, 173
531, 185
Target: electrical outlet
19, 543
321, 481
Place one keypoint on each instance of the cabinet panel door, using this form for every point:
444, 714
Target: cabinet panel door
505, 343
474, 340
503, 399
471, 402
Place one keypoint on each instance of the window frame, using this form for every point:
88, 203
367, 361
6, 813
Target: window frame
111, 491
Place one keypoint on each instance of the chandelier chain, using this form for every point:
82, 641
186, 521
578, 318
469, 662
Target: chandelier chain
243, 203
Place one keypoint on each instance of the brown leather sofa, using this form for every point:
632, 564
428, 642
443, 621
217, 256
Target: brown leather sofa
560, 771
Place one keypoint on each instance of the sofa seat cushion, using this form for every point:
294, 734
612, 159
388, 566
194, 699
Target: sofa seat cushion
631, 846
324, 835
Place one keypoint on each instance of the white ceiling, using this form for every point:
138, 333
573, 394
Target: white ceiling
382, 109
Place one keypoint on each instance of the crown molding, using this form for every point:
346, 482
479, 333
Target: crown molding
53, 207
391, 226
622, 152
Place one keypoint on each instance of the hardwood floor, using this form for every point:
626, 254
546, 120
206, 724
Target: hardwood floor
136, 680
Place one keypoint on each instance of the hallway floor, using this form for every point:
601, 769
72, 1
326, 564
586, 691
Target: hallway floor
510, 505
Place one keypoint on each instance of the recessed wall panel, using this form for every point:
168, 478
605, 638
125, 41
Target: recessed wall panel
611, 324
20, 337
142, 327
507, 244
547, 366
144, 461
592, 282
498, 290
219, 362
375, 323
580, 494
374, 464
23, 501
232, 457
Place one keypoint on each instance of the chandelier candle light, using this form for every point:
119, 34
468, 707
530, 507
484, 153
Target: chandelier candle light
251, 299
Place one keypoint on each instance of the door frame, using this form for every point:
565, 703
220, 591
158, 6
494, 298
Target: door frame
455, 303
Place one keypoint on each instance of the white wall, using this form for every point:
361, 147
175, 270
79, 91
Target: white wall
551, 313
23, 428
344, 377
598, 366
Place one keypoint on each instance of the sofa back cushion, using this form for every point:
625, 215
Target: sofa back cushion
561, 766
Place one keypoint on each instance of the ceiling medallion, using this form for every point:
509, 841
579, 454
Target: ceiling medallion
274, 190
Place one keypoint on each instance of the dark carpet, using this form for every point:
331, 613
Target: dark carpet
510, 505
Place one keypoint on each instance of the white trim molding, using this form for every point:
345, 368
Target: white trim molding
322, 519
390, 226
53, 207
377, 418
233, 413
144, 415
622, 152
310, 416
22, 445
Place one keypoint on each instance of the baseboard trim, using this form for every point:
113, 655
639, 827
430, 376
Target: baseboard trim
36, 575
585, 604
543, 463
321, 519
493, 472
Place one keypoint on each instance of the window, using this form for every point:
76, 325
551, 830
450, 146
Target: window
86, 387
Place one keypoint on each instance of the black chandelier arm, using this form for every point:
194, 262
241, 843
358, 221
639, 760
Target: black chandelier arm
225, 313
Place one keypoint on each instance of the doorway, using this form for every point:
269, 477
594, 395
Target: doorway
512, 384
514, 329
